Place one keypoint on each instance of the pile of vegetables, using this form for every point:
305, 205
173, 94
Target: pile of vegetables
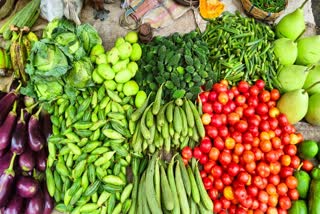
59, 62
174, 124
249, 153
172, 187
23, 155
273, 6
241, 49
178, 62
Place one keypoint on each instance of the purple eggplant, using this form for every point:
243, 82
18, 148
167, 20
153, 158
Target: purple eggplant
3, 152
46, 125
41, 160
6, 183
35, 205
7, 127
2, 94
27, 160
48, 201
27, 187
19, 136
5, 161
6, 103
36, 139
15, 205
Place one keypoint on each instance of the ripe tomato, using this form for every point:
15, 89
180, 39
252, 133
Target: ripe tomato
263, 169
272, 210
214, 154
263, 196
203, 159
282, 189
240, 100
233, 118
219, 87
260, 84
285, 160
223, 97
248, 156
276, 142
241, 126
256, 142
204, 97
223, 131
252, 190
218, 143
264, 96
247, 203
247, 138
286, 171
254, 90
262, 109
249, 111
253, 101
197, 153
290, 149
285, 138
283, 120
274, 179
208, 166
258, 182
273, 200
186, 152
225, 158
207, 108
217, 107
255, 205
213, 193
243, 177
271, 189
207, 182
271, 156
273, 123
237, 136
275, 168
211, 131
293, 194
264, 125
265, 146
295, 162
274, 112
211, 97
233, 169
230, 143
274, 94
225, 202
206, 119
239, 111
284, 202
291, 182
226, 179
263, 207
243, 86
307, 165
203, 174
250, 167
205, 145
218, 184
240, 193
238, 149
216, 171
217, 206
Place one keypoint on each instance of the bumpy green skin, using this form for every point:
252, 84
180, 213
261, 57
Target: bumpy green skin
314, 197
298, 207
303, 183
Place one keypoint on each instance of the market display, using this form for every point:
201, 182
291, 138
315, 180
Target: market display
202, 122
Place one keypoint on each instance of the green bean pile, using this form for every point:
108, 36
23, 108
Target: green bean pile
241, 49
274, 6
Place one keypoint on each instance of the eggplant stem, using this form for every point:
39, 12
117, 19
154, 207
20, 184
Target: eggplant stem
30, 108
10, 170
36, 115
21, 119
14, 108
18, 88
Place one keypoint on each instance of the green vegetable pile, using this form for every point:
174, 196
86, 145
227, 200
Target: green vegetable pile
179, 62
273, 6
173, 124
58, 63
241, 49
160, 187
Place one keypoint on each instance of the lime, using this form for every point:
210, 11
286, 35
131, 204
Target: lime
308, 149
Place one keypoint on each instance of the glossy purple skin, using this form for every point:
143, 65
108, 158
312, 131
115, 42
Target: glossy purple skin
5, 161
6, 103
27, 187
35, 205
19, 137
46, 125
27, 160
35, 137
6, 185
41, 160
15, 205
6, 130
48, 202
2, 94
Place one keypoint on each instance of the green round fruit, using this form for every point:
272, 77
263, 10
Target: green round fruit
131, 37
308, 149
130, 88
140, 98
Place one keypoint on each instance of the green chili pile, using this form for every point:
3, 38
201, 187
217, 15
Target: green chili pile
241, 49
274, 6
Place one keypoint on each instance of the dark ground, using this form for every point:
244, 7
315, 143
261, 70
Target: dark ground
316, 13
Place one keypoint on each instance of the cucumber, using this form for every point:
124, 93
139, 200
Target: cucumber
314, 197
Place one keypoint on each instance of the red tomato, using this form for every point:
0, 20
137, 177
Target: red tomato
293, 194
207, 182
290, 149
218, 143
247, 203
284, 202
240, 100
208, 166
211, 131
223, 98
214, 154
248, 156
285, 160
264, 125
282, 189
263, 196
249, 111
260, 84
219, 87
291, 182
271, 156
212, 96
283, 120
265, 146
274, 94
241, 126
225, 158
285, 138
233, 169
205, 145
240, 193
276, 142
263, 207
225, 202
186, 152
250, 167
226, 179
238, 149
217, 205
203, 174
207, 108
233, 118
252, 190
295, 162
217, 107
223, 131
204, 159
239, 110
307, 165
273, 200
264, 96
218, 184
243, 177
286, 171
204, 97
263, 169
255, 204
241, 210
262, 109
257, 181
247, 137
243, 86
275, 168
254, 90
213, 193
271, 189
273, 123
216, 171
197, 153
237, 136
253, 101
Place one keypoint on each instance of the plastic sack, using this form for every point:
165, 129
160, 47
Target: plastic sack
51, 9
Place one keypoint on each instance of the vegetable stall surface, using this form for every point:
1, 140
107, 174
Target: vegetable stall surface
249, 153
241, 49
179, 62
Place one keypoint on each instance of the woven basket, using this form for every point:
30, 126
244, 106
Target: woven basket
188, 2
258, 13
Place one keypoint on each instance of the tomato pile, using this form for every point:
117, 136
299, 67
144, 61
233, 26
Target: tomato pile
249, 152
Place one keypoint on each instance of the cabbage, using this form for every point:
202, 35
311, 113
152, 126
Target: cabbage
58, 26
48, 90
80, 74
88, 36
